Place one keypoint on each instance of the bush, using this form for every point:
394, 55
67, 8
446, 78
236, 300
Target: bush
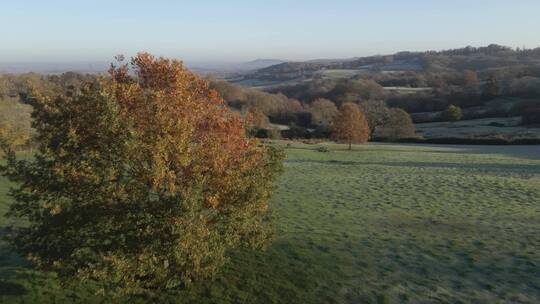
140, 183
323, 149
452, 113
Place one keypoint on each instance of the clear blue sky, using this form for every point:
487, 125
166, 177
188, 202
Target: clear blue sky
238, 30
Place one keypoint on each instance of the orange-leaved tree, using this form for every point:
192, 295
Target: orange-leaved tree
350, 125
256, 119
142, 181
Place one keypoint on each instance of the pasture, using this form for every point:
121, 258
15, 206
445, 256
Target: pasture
379, 224
508, 127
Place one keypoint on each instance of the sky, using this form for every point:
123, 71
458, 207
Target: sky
242, 30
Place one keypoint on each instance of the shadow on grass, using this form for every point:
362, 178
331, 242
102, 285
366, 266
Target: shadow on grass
526, 151
10, 265
531, 152
472, 166
11, 289
284, 273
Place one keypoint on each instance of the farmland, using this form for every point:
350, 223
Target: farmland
379, 224
482, 128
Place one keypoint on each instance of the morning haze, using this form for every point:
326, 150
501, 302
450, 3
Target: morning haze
238, 31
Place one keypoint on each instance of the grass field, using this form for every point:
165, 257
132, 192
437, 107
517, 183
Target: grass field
481, 128
380, 224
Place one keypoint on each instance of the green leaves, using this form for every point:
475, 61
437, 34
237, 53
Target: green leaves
141, 183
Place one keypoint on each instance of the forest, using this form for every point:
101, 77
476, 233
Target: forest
494, 82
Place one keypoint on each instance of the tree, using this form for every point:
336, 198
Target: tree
256, 120
6, 86
452, 113
141, 182
352, 90
323, 112
377, 113
15, 123
470, 77
228, 91
350, 125
398, 125
492, 88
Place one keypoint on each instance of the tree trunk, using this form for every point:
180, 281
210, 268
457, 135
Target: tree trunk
350, 145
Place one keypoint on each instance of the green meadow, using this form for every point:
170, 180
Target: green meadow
379, 224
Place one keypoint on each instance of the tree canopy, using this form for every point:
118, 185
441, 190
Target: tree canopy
350, 125
142, 181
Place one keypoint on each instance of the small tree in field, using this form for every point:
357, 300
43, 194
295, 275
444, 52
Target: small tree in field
350, 125
452, 113
142, 182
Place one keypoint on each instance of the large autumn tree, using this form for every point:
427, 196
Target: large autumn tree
350, 125
142, 181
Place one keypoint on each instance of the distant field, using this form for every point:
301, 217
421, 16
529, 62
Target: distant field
341, 73
486, 127
380, 224
499, 108
266, 84
406, 90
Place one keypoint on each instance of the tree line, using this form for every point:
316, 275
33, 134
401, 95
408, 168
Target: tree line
315, 118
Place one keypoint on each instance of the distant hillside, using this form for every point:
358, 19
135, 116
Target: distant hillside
259, 64
202, 68
455, 60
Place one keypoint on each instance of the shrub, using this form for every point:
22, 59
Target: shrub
323, 149
140, 183
452, 113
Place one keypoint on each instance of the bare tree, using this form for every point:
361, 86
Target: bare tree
377, 113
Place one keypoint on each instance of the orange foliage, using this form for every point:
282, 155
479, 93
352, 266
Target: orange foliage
179, 119
350, 125
256, 119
